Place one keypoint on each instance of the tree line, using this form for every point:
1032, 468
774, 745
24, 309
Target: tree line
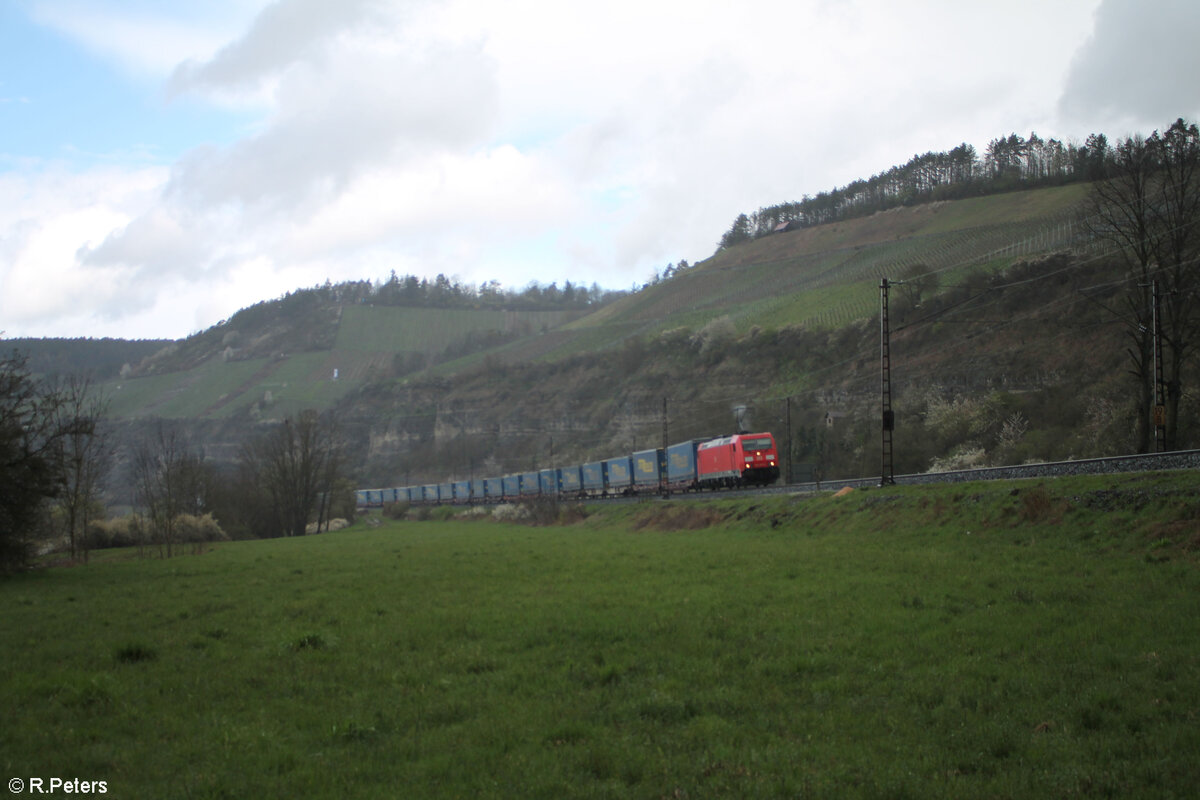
288, 478
441, 292
1145, 206
57, 450
98, 359
52, 457
444, 292
1010, 162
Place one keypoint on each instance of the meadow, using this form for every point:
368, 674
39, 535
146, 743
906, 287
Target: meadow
1009, 639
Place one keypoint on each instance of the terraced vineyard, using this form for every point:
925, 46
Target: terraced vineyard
823, 277
368, 340
827, 276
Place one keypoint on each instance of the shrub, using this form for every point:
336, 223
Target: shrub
191, 529
679, 518
512, 513
15, 552
675, 341
542, 510
963, 458
715, 337
1037, 505
120, 532
570, 513
330, 525
395, 510
132, 530
473, 512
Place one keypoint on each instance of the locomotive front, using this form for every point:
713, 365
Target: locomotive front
746, 458
759, 458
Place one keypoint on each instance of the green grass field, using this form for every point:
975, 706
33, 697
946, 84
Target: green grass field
982, 640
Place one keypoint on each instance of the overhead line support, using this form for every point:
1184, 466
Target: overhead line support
888, 417
1160, 400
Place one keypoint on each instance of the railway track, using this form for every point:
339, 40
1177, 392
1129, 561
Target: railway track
1148, 462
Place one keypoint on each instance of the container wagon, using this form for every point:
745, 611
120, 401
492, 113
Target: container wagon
648, 470
620, 475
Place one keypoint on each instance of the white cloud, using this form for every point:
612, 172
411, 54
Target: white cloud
498, 195
549, 140
283, 33
329, 126
364, 107
46, 217
1139, 67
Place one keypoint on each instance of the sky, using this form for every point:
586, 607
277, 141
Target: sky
164, 164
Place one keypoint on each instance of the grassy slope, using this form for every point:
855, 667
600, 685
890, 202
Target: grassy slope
958, 641
826, 275
823, 277
368, 337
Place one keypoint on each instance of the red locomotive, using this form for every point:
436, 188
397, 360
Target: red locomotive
746, 458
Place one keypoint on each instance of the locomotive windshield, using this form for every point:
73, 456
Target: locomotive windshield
756, 444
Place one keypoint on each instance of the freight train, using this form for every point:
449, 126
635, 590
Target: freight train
744, 459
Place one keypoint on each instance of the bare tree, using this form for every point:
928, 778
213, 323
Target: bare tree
170, 480
1176, 215
34, 424
331, 470
293, 466
1148, 207
84, 452
1118, 211
917, 283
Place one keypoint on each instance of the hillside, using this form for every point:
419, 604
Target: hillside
275, 371
1002, 348
1020, 360
827, 276
819, 277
